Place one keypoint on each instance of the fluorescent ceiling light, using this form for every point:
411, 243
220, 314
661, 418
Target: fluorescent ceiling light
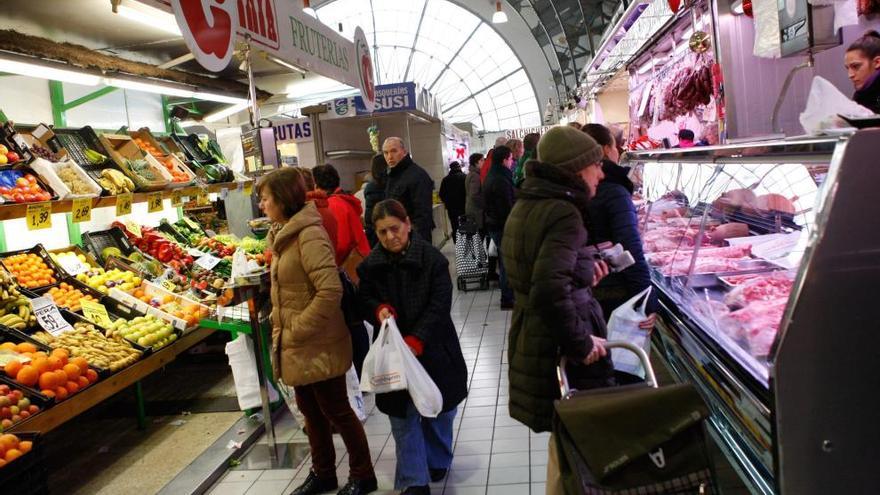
149, 87
499, 17
150, 16
288, 65
220, 98
41, 71
226, 112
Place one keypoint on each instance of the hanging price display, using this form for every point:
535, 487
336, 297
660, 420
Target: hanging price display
154, 202
208, 261
96, 313
123, 204
48, 316
81, 211
39, 216
134, 228
176, 198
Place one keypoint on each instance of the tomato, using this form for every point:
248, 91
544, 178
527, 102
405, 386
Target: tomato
18, 198
30, 178
29, 198
34, 189
4, 190
44, 196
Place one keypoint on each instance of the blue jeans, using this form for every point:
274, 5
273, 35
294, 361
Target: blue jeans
421, 444
506, 291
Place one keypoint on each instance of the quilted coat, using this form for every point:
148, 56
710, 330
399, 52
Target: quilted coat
310, 341
550, 268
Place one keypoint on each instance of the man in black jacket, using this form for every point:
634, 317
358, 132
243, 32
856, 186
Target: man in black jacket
453, 195
411, 185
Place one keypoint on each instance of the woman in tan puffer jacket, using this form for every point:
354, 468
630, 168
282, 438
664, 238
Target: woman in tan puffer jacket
311, 345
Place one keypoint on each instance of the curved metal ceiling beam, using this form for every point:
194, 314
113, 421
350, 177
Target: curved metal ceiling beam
415, 40
446, 66
549, 40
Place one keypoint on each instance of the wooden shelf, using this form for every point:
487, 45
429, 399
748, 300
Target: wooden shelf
10, 211
81, 402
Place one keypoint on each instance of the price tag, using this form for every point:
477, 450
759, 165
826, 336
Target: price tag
96, 313
123, 204
81, 211
202, 197
72, 265
133, 227
168, 285
49, 317
207, 261
39, 216
154, 202
195, 253
176, 198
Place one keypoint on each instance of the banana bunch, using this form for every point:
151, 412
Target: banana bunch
8, 286
94, 157
17, 313
115, 182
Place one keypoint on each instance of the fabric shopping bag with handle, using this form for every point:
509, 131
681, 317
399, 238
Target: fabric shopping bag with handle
623, 325
383, 370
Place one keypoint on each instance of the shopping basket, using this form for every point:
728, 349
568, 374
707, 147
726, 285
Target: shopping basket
632, 440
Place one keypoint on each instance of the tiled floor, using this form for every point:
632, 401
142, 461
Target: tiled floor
494, 454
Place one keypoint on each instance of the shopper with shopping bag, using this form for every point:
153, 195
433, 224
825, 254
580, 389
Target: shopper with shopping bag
407, 278
311, 346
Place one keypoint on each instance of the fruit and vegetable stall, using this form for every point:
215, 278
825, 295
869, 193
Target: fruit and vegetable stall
79, 323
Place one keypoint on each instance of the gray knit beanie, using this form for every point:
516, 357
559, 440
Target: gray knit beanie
568, 148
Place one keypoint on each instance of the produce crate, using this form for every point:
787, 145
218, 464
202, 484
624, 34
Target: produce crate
90, 258
85, 289
27, 475
163, 156
123, 151
205, 165
13, 141
74, 318
48, 171
11, 335
123, 264
40, 251
75, 142
35, 399
166, 228
193, 150
154, 291
95, 242
8, 178
117, 309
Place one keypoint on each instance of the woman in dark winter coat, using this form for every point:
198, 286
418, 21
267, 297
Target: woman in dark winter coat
374, 192
613, 219
551, 269
407, 278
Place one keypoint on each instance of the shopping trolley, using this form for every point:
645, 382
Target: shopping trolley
634, 439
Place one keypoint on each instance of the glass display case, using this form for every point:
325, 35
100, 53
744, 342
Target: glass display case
731, 235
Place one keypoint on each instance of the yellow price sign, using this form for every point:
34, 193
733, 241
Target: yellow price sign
249, 188
123, 204
154, 202
202, 197
96, 313
169, 285
176, 198
81, 211
39, 216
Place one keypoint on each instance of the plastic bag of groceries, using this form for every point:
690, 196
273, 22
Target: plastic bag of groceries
623, 325
824, 104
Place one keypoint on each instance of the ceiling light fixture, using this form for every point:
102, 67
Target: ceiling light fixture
288, 65
220, 98
19, 65
149, 16
226, 112
499, 17
149, 87
307, 9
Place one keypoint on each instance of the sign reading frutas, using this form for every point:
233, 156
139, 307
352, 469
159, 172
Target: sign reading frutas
208, 28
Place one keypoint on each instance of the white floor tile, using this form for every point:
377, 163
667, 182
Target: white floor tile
508, 432
464, 490
480, 447
518, 489
538, 455
242, 475
232, 488
539, 474
482, 401
510, 459
479, 411
508, 475
467, 477
510, 445
478, 422
269, 487
469, 434
466, 462
539, 488
278, 474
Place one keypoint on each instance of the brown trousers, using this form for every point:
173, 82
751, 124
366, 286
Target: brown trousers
325, 403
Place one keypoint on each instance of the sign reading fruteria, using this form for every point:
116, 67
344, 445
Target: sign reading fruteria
278, 27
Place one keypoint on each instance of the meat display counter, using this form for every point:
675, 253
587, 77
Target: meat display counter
767, 261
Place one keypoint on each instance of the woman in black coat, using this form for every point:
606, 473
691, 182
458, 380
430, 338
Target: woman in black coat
374, 192
405, 277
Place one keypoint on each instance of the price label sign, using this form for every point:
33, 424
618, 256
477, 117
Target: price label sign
39, 216
133, 227
195, 253
202, 197
176, 198
49, 317
154, 202
72, 265
168, 285
207, 261
81, 211
96, 313
123, 204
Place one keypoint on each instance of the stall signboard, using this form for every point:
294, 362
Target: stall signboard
292, 130
521, 133
399, 97
277, 27
339, 108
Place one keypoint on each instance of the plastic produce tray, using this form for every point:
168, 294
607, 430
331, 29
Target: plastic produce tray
74, 318
117, 309
11, 335
190, 146
27, 475
76, 141
40, 251
24, 170
95, 242
151, 290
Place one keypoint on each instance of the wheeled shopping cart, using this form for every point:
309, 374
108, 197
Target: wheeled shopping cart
471, 261
633, 439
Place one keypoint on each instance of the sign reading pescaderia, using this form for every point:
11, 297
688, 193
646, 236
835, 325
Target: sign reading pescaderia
277, 27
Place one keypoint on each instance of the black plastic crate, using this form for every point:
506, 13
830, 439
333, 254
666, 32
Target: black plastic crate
190, 146
34, 397
24, 170
166, 227
40, 251
76, 141
117, 309
74, 318
85, 289
95, 242
90, 258
28, 474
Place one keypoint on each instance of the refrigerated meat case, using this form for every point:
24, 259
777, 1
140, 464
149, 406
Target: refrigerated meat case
767, 261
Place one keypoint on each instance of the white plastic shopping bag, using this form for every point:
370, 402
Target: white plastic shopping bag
383, 370
390, 344
244, 373
624, 325
824, 103
290, 399
355, 397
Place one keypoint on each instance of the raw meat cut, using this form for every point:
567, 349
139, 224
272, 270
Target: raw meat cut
764, 288
756, 324
709, 260
667, 257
